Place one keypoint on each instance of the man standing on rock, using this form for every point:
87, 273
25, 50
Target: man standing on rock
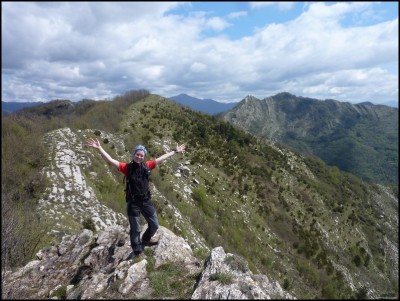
138, 194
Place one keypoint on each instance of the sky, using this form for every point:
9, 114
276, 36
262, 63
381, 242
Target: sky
347, 51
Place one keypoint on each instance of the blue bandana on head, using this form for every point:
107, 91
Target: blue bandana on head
140, 147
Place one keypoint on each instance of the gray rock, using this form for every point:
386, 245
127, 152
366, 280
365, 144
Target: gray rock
227, 276
88, 266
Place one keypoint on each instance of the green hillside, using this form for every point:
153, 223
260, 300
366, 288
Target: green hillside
320, 232
358, 138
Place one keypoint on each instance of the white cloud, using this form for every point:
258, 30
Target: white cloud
280, 5
79, 50
198, 67
237, 15
217, 23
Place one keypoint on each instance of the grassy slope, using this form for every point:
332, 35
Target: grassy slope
293, 218
298, 221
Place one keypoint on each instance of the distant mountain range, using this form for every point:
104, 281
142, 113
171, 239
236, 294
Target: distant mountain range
9, 107
208, 106
393, 104
358, 138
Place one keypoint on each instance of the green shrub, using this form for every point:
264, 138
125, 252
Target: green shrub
172, 280
329, 292
200, 196
237, 262
308, 272
88, 223
61, 293
223, 278
362, 293
286, 284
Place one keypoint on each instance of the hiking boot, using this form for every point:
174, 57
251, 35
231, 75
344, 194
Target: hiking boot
151, 242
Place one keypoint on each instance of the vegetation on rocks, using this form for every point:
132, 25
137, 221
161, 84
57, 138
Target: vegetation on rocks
358, 138
320, 232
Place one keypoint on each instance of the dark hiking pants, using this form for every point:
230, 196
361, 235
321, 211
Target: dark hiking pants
134, 208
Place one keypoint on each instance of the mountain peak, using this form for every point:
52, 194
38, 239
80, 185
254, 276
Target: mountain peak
208, 106
250, 98
284, 95
312, 126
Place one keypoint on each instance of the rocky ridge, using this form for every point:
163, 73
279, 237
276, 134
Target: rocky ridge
97, 266
69, 194
91, 265
72, 177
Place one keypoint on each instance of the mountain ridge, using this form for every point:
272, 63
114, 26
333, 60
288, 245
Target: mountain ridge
208, 106
9, 107
315, 230
328, 129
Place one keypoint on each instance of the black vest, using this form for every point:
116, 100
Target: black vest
137, 181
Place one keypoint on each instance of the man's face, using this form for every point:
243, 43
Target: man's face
138, 157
